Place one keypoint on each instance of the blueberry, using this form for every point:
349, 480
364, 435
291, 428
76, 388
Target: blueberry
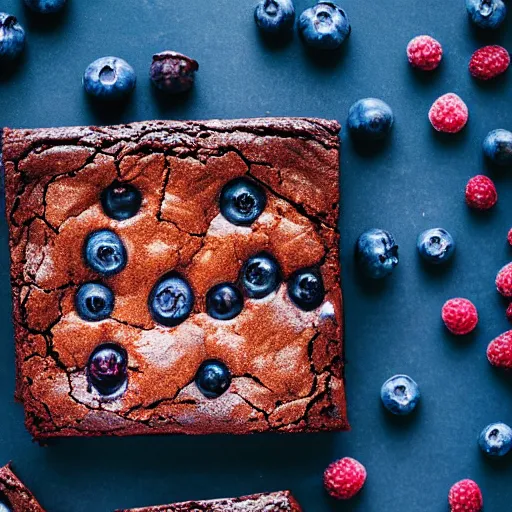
242, 201
370, 119
4, 507
400, 395
498, 147
12, 37
495, 440
488, 14
107, 368
213, 378
45, 6
376, 253
171, 300
324, 26
260, 276
275, 16
109, 78
105, 253
94, 301
173, 72
436, 245
224, 302
121, 201
306, 289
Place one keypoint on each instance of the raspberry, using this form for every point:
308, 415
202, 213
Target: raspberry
489, 62
460, 316
509, 312
481, 193
424, 52
344, 478
465, 496
504, 281
448, 114
509, 236
499, 351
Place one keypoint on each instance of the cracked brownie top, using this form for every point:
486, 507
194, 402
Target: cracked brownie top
267, 502
176, 277
14, 496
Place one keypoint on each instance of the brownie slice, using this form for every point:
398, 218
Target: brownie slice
14, 496
177, 277
267, 502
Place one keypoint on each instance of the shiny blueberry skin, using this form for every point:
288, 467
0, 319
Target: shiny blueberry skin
498, 147
376, 253
120, 201
370, 119
173, 72
109, 78
12, 37
45, 6
275, 16
94, 301
324, 26
487, 14
171, 300
224, 301
4, 507
436, 245
108, 368
306, 289
242, 201
213, 378
260, 276
105, 253
495, 440
400, 395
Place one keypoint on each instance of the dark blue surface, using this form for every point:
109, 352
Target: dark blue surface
413, 182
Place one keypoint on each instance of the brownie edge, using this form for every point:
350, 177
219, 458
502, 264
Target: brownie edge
281, 501
14, 494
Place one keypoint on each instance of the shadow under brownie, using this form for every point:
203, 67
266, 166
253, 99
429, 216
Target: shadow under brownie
132, 371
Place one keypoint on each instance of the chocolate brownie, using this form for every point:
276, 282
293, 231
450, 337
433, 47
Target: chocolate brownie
14, 496
177, 277
267, 502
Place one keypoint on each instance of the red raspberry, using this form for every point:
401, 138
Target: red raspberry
424, 52
499, 351
448, 114
509, 237
344, 478
509, 312
504, 281
481, 193
489, 62
465, 496
460, 316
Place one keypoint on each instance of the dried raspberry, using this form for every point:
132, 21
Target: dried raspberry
424, 52
460, 316
499, 351
509, 312
504, 281
481, 193
344, 478
489, 62
465, 496
509, 237
449, 114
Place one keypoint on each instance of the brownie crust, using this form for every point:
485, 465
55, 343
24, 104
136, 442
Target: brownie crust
14, 494
287, 364
267, 502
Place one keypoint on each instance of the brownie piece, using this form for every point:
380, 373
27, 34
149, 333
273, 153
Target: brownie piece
14, 496
176, 277
267, 502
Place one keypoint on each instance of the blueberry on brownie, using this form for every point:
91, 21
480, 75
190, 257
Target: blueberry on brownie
177, 277
281, 501
14, 496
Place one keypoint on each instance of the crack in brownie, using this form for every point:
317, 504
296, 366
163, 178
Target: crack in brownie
176, 277
14, 496
267, 502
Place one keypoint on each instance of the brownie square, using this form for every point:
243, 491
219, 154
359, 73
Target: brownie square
177, 277
14, 496
267, 502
